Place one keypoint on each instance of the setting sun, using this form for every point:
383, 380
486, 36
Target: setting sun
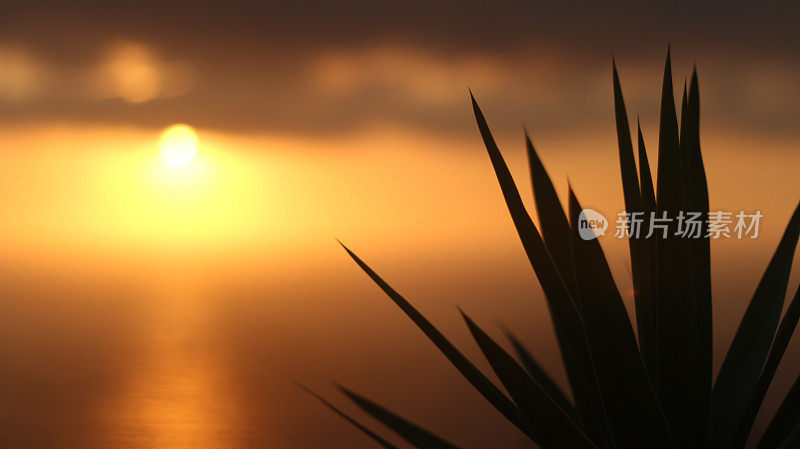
178, 145
178, 184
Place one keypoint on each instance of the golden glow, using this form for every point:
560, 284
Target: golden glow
21, 76
178, 145
73, 189
131, 74
175, 395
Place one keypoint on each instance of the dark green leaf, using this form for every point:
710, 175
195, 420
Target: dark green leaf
676, 309
783, 427
464, 366
352, 421
785, 331
541, 377
646, 318
566, 318
627, 163
645, 315
683, 110
696, 189
793, 440
741, 369
634, 414
412, 433
648, 192
552, 219
553, 427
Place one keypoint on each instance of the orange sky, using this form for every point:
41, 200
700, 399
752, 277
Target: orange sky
169, 307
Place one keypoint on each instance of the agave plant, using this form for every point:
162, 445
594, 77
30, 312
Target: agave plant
652, 390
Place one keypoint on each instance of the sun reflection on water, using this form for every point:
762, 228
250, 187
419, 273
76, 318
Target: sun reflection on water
177, 395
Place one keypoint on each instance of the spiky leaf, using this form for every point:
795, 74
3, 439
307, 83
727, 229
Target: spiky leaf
566, 318
464, 366
377, 438
635, 417
793, 440
411, 432
696, 189
541, 377
646, 317
785, 331
741, 369
643, 300
552, 219
782, 430
553, 427
676, 309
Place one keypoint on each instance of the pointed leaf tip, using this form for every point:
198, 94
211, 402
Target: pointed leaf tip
530, 396
540, 375
351, 253
409, 431
459, 361
375, 437
741, 369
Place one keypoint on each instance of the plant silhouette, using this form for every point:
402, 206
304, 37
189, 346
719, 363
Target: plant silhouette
652, 390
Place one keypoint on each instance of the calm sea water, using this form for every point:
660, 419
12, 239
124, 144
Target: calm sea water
92, 360
96, 361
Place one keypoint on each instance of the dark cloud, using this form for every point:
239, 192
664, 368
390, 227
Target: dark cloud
253, 27
253, 63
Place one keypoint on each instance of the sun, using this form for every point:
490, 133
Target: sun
178, 145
